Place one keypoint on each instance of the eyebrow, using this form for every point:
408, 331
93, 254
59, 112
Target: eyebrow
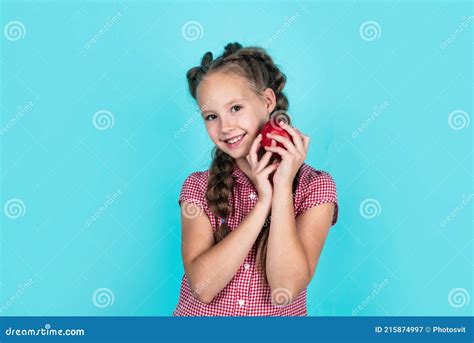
230, 102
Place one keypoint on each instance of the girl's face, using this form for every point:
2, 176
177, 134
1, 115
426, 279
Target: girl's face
230, 108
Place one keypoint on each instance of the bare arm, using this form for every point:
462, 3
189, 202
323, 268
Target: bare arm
210, 267
294, 245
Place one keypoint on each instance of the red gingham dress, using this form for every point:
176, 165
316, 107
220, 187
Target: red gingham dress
246, 294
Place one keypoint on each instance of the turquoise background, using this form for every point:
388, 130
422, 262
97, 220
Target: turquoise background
98, 227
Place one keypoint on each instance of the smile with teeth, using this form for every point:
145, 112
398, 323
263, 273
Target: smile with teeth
234, 141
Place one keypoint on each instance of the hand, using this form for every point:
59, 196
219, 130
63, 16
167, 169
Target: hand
293, 155
260, 170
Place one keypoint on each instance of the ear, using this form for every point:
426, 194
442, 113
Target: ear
270, 99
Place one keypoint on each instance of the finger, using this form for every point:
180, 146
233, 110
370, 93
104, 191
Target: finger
296, 135
253, 150
306, 142
284, 153
302, 135
304, 138
270, 168
266, 157
285, 141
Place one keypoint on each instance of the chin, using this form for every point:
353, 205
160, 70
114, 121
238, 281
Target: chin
241, 153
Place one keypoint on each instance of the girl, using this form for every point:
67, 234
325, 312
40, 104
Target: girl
250, 246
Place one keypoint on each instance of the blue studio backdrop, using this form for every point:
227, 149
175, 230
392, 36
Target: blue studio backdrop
98, 133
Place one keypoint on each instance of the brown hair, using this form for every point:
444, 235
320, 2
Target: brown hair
254, 64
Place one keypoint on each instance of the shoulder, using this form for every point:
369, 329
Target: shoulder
194, 187
198, 178
313, 180
315, 187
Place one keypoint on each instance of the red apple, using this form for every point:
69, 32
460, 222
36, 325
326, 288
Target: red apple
269, 128
273, 127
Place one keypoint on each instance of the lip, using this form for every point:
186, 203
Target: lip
236, 144
226, 139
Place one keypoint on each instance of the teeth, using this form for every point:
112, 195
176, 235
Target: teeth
232, 141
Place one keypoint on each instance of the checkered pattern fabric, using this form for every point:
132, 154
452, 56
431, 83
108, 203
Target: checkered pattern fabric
246, 294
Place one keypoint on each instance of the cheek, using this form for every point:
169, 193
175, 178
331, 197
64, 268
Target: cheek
213, 132
260, 110
251, 120
259, 116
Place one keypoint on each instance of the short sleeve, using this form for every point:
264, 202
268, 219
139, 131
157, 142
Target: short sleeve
193, 190
320, 188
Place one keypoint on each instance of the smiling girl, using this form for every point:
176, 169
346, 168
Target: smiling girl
250, 247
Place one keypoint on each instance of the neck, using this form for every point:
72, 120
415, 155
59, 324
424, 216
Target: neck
244, 165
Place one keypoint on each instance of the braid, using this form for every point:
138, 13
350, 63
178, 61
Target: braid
231, 49
261, 65
206, 61
278, 83
277, 79
194, 75
219, 189
255, 65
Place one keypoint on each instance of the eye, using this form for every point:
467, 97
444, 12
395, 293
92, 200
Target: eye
210, 115
236, 106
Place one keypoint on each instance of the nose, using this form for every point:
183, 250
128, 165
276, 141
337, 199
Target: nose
228, 124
